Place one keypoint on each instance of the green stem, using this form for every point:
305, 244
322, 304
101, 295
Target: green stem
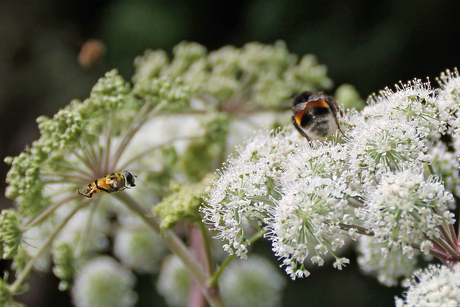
355, 203
93, 160
178, 247
43, 215
213, 282
436, 253
361, 230
82, 159
25, 272
136, 124
65, 176
84, 236
108, 144
74, 169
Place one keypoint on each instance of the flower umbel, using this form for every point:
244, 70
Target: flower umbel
437, 285
404, 209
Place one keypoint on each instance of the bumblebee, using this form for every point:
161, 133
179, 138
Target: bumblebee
113, 182
315, 115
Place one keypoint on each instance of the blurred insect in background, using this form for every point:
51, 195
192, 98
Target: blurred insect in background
91, 53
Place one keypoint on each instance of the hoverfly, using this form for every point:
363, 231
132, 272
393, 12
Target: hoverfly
113, 182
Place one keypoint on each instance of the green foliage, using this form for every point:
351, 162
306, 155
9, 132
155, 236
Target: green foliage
200, 157
183, 204
263, 74
6, 297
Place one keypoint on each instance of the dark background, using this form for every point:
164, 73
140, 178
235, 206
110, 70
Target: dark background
370, 44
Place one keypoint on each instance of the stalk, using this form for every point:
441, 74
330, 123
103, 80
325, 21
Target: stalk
178, 247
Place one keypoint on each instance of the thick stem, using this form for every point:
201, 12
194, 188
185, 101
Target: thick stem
178, 247
195, 297
207, 248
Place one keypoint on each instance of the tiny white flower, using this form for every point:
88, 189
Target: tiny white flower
341, 262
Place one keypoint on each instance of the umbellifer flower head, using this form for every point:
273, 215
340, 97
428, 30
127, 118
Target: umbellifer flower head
406, 209
436, 285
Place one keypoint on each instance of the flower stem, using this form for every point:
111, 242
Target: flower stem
178, 247
153, 148
361, 230
136, 124
449, 249
213, 282
84, 235
43, 215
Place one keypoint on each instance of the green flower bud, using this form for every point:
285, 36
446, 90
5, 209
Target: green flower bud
10, 233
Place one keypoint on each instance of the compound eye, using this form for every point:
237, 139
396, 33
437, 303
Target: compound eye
130, 178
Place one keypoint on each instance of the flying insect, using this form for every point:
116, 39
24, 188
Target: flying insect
315, 115
113, 182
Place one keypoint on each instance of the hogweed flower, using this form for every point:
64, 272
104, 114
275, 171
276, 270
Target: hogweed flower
309, 213
246, 185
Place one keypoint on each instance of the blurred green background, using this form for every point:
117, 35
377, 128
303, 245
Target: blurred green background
370, 44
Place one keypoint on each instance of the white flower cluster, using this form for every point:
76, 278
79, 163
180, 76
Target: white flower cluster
377, 180
399, 210
245, 190
309, 212
387, 269
437, 285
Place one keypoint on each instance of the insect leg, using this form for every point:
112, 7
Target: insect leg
89, 196
300, 129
